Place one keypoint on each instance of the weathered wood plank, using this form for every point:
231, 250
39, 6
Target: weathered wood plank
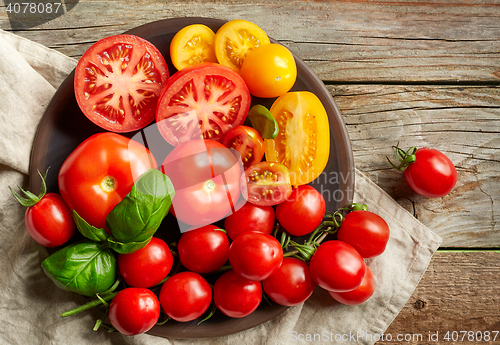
343, 41
462, 122
458, 292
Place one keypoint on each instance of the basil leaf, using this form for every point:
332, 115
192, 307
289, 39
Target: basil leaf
86, 268
89, 231
137, 217
126, 248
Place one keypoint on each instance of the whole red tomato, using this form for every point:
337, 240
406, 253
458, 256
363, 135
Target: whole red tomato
432, 175
236, 296
255, 255
147, 266
185, 296
206, 178
134, 310
291, 284
366, 231
100, 172
360, 294
250, 217
337, 266
203, 250
248, 142
427, 171
302, 212
47, 218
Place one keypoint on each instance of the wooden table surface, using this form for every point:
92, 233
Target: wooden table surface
421, 73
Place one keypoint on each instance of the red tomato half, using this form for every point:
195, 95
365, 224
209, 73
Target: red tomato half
302, 212
247, 142
202, 102
266, 184
360, 294
432, 175
100, 172
118, 81
366, 231
206, 178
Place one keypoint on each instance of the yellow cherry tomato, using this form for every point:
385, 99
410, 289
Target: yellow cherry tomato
303, 141
192, 45
235, 39
269, 70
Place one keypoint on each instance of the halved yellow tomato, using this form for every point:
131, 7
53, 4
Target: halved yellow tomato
235, 39
192, 45
303, 141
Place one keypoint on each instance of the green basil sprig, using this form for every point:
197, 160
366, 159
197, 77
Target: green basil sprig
86, 268
137, 217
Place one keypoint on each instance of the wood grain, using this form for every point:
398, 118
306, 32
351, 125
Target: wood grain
352, 41
462, 122
459, 292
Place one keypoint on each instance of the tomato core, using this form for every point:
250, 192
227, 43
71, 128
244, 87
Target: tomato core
210, 186
108, 184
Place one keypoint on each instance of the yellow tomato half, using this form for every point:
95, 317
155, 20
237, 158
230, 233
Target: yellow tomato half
303, 141
192, 45
269, 70
235, 39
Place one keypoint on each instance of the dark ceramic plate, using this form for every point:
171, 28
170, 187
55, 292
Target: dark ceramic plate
63, 127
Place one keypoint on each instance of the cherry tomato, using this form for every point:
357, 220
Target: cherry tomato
360, 294
118, 81
291, 284
266, 184
192, 45
185, 296
47, 218
100, 172
203, 250
269, 70
255, 255
206, 178
337, 266
303, 142
134, 311
236, 296
366, 231
247, 142
235, 40
432, 175
302, 212
250, 217
202, 101
148, 266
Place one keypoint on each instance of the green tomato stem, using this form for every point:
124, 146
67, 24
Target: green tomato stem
89, 305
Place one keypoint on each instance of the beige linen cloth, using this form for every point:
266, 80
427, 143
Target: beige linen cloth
30, 304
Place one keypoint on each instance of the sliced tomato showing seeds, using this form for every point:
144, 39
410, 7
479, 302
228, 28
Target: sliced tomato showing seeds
204, 101
247, 142
266, 184
118, 81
